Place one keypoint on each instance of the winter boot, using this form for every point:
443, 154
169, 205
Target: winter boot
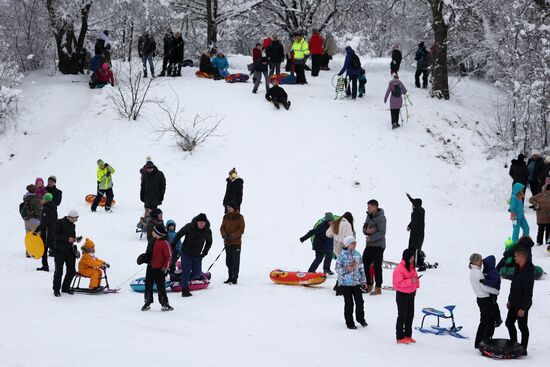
403, 341
234, 281
411, 340
70, 291
108, 209
328, 272
376, 292
185, 292
277, 106
369, 288
228, 281
146, 306
167, 308
364, 324
43, 268
287, 105
351, 326
57, 293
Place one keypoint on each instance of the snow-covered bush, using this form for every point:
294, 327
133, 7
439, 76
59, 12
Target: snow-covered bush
9, 79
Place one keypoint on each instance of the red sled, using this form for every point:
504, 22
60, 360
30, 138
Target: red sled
91, 197
237, 78
202, 74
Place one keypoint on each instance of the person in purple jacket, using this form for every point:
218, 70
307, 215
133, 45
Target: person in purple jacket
396, 89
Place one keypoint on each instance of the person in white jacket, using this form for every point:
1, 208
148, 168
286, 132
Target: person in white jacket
339, 230
487, 320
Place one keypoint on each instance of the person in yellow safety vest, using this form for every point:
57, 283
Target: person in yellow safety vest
104, 185
300, 52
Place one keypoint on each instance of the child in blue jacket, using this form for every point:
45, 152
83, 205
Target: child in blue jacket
176, 252
351, 275
492, 279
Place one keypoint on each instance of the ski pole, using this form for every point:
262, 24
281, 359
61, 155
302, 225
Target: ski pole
133, 275
407, 110
408, 99
220, 254
401, 115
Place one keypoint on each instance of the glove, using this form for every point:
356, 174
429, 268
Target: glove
106, 265
482, 281
106, 165
302, 239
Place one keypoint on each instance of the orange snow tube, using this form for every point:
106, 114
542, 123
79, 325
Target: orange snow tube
202, 74
296, 277
91, 197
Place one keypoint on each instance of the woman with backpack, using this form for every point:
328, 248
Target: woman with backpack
397, 89
352, 67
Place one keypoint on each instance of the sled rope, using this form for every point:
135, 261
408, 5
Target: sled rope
220, 254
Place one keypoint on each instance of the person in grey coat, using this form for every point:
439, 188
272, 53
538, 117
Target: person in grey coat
375, 230
396, 89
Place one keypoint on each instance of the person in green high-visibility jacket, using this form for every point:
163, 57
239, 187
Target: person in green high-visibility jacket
104, 185
300, 52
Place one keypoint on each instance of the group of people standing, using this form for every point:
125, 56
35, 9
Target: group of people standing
336, 236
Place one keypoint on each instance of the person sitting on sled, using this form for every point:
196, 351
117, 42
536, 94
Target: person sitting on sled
90, 266
277, 96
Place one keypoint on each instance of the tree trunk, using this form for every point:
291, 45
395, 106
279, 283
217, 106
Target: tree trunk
211, 24
440, 73
69, 47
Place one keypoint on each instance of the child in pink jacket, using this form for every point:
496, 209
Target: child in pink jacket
405, 283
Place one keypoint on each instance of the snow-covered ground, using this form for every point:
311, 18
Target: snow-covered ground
322, 155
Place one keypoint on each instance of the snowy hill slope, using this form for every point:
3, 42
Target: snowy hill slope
321, 155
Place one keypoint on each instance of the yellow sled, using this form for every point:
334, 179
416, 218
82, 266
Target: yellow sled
34, 245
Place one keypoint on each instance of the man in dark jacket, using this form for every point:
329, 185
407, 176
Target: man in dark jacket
396, 58
146, 49
65, 238
52, 189
535, 165
277, 96
518, 170
234, 189
322, 245
275, 55
521, 296
416, 229
167, 42
47, 228
375, 230
195, 246
176, 57
422, 58
153, 186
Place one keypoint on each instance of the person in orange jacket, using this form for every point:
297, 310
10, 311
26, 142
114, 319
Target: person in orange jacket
90, 266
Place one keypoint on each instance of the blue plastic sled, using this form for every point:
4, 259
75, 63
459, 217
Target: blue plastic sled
138, 285
437, 329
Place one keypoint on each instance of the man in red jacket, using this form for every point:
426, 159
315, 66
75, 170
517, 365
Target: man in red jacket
160, 255
316, 48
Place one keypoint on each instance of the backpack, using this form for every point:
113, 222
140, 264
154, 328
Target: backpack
396, 91
25, 209
355, 62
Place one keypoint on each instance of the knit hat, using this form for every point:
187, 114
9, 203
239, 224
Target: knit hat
201, 218
349, 240
521, 157
407, 254
105, 67
52, 178
160, 230
149, 164
31, 188
39, 180
329, 217
47, 197
100, 162
72, 214
535, 152
88, 244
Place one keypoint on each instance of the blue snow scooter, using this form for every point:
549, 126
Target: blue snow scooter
437, 329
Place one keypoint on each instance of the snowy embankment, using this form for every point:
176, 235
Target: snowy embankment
322, 155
